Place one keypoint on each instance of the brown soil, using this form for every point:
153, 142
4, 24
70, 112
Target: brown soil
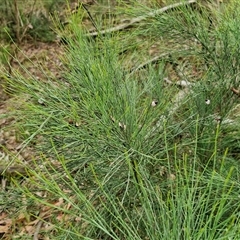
37, 59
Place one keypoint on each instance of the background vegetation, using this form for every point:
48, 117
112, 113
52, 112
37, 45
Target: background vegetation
139, 138
31, 20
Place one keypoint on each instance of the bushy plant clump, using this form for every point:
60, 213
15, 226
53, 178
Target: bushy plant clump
139, 158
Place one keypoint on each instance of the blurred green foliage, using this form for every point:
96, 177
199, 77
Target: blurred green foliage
31, 20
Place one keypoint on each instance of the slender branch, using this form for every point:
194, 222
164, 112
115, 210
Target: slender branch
237, 92
185, 85
141, 18
17, 19
91, 18
39, 225
155, 60
12, 170
178, 99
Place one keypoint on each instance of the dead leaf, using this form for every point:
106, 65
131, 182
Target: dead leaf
5, 225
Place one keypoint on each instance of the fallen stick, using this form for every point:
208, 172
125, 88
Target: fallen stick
140, 18
175, 104
234, 90
12, 170
178, 99
153, 60
38, 227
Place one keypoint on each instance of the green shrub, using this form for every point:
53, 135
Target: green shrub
33, 19
127, 168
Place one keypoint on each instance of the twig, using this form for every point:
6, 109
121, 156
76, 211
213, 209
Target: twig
234, 90
176, 102
39, 225
185, 90
141, 18
17, 18
91, 18
4, 183
153, 60
180, 83
12, 170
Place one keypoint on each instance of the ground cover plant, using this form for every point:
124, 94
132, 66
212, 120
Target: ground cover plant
30, 20
134, 146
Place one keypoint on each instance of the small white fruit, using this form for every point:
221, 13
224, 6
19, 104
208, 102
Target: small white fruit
207, 101
154, 103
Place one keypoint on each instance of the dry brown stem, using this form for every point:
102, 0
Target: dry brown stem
234, 90
141, 18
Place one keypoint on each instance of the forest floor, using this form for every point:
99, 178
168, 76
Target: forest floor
38, 59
